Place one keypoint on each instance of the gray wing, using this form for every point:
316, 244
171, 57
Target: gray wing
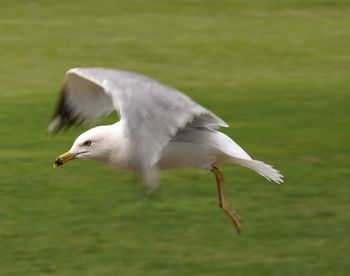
153, 112
82, 98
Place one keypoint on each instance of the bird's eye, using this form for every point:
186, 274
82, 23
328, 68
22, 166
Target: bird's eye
87, 143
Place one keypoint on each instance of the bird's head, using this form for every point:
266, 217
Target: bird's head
94, 144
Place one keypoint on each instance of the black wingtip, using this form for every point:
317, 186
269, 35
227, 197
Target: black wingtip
63, 117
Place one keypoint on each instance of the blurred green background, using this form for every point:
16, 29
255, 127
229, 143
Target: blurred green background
276, 71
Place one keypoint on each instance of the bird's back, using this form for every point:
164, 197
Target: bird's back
200, 147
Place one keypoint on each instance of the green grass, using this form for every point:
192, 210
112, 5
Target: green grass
276, 71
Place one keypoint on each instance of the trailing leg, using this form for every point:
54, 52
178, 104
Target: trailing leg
223, 204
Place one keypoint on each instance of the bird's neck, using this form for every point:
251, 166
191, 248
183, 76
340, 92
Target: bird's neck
120, 154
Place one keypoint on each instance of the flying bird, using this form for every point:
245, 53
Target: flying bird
160, 128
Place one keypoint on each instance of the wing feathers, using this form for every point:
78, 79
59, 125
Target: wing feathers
81, 99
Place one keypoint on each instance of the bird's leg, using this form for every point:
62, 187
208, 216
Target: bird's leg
224, 205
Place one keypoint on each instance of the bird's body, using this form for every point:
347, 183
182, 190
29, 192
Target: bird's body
192, 147
160, 128
195, 147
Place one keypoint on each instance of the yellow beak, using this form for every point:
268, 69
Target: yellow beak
63, 158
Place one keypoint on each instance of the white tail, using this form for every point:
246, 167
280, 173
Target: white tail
261, 168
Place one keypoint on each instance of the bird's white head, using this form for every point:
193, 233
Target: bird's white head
95, 144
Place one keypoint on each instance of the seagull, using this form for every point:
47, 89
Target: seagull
160, 128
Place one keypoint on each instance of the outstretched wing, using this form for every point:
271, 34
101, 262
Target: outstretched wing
152, 112
82, 98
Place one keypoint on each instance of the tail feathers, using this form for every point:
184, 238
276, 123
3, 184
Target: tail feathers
261, 168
